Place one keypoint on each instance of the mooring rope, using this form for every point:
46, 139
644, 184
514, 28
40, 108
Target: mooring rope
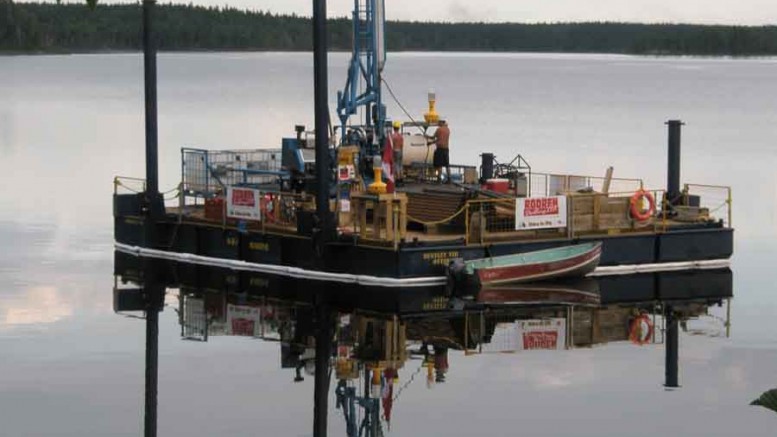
438, 222
118, 183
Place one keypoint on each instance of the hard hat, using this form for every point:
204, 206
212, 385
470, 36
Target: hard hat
397, 124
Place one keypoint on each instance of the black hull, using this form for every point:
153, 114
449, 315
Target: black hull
411, 259
710, 286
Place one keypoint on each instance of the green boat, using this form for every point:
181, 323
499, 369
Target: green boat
543, 265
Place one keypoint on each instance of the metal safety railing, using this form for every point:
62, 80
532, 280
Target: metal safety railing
487, 220
125, 185
550, 184
484, 217
207, 173
122, 184
275, 209
714, 198
586, 213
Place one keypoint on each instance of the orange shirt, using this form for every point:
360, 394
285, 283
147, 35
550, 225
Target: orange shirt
442, 137
397, 140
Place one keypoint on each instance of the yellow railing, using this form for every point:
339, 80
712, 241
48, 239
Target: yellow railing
123, 184
494, 219
714, 198
611, 213
592, 213
483, 216
127, 184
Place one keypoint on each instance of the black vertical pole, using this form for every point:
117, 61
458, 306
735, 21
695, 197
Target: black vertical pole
672, 349
321, 385
154, 297
149, 63
152, 203
153, 200
152, 365
673, 161
320, 66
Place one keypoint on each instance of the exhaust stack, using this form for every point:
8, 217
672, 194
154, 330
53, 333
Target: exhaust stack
673, 191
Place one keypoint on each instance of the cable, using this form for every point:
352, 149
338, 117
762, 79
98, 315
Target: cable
404, 386
415, 123
396, 100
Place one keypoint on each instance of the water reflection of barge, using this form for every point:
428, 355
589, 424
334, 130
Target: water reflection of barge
317, 205
382, 341
643, 289
216, 301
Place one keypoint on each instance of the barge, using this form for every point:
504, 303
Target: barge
328, 205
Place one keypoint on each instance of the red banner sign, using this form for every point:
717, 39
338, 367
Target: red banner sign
241, 197
541, 212
540, 206
243, 203
540, 340
243, 327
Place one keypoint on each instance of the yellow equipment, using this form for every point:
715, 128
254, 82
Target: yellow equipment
377, 187
397, 125
432, 116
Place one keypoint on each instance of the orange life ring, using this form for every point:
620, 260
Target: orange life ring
636, 210
636, 331
268, 207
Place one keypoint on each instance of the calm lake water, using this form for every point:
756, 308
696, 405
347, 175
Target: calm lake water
69, 124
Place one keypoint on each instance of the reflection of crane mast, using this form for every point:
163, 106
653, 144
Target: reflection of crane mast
348, 400
367, 62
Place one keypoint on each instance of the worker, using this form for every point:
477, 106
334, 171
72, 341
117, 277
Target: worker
398, 143
441, 140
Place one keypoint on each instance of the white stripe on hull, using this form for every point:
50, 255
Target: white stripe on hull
377, 281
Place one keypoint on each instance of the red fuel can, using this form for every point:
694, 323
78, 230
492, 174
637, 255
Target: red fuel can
498, 185
214, 209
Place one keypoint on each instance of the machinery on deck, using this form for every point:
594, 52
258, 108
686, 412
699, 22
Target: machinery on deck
363, 88
360, 143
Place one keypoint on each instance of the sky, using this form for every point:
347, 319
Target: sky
745, 12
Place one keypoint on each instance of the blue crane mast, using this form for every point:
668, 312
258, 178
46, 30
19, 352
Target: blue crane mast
363, 87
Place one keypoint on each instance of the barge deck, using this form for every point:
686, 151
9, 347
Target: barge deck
284, 236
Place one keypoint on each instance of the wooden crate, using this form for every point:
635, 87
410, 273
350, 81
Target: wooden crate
614, 205
582, 204
590, 222
599, 212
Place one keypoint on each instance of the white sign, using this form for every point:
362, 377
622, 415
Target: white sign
346, 173
523, 335
540, 213
243, 203
243, 320
548, 334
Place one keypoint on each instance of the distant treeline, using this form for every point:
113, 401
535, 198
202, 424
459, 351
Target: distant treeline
51, 27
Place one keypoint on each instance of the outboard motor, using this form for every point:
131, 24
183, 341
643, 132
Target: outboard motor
459, 283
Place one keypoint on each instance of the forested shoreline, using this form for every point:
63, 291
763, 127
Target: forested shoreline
67, 28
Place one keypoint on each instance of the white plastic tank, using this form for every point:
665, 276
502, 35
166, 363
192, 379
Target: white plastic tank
416, 150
